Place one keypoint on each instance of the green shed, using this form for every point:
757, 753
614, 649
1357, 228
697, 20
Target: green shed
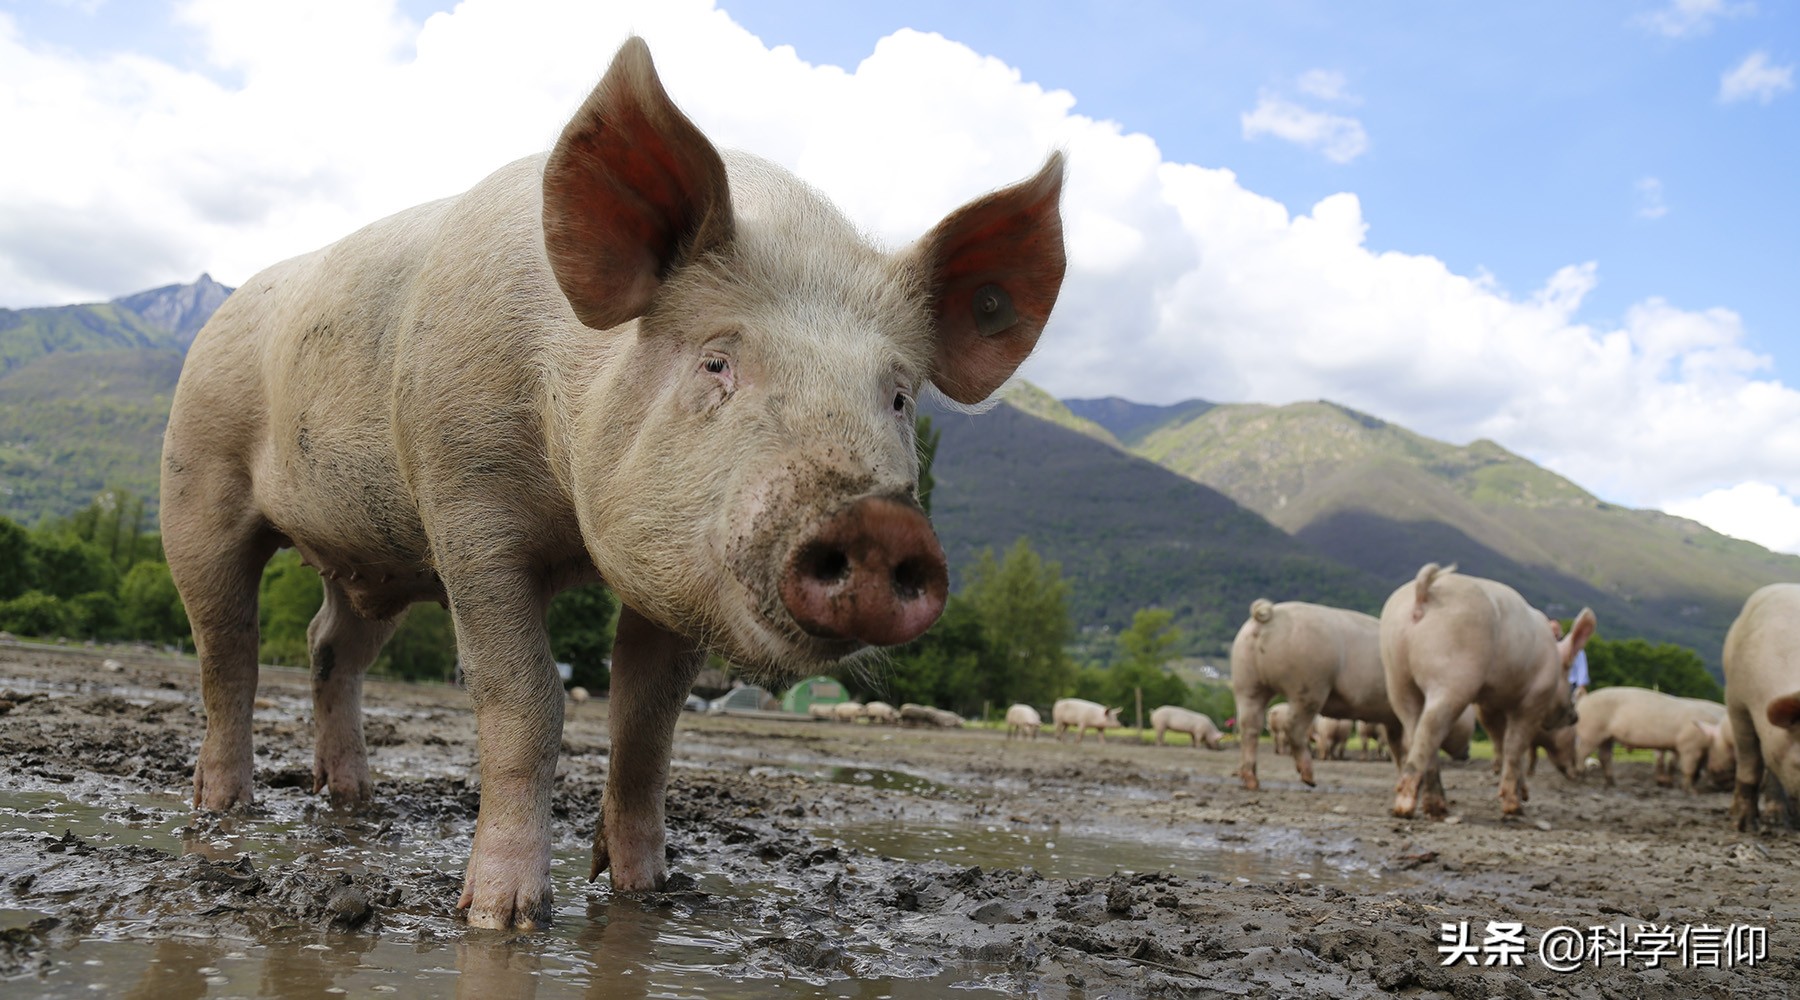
824, 690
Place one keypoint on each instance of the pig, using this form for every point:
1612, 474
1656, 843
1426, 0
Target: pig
1376, 733
1649, 720
880, 713
1558, 743
1331, 736
847, 711
925, 715
1324, 660
634, 359
822, 710
1281, 718
1082, 715
1462, 733
1182, 720
1023, 721
1762, 698
1449, 641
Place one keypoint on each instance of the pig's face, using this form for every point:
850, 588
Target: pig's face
742, 453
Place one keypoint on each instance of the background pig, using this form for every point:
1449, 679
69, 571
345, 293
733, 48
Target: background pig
1331, 737
1449, 641
1322, 659
1762, 696
634, 359
1281, 720
1182, 720
880, 712
1558, 743
1462, 732
925, 715
822, 710
847, 711
1023, 721
1376, 733
1649, 720
1081, 716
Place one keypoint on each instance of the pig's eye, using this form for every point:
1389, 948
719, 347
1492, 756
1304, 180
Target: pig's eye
900, 401
716, 366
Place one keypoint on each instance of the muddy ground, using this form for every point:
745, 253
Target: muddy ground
825, 860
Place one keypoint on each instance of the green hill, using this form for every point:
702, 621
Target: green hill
1386, 500
29, 334
1128, 533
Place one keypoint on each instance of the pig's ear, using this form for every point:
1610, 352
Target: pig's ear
1580, 632
1785, 710
631, 190
1711, 730
995, 267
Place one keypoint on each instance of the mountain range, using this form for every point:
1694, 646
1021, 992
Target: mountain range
1197, 507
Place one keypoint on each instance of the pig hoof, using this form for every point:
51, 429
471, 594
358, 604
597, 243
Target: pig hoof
220, 789
523, 910
347, 789
1250, 782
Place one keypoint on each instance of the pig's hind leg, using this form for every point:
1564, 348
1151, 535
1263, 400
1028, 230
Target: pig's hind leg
652, 673
342, 645
216, 546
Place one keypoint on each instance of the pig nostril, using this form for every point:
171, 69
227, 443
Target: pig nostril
824, 563
911, 578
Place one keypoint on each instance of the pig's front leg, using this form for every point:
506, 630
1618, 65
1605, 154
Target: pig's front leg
518, 726
653, 670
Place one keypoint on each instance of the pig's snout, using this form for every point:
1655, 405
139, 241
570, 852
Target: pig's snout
874, 572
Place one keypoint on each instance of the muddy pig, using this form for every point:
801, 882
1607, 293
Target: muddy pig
1324, 660
1181, 720
1082, 715
1649, 720
1023, 721
1331, 737
1281, 721
1449, 641
880, 712
1762, 697
634, 359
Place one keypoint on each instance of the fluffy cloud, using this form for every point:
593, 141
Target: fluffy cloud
1182, 281
1754, 79
1338, 137
1755, 511
1650, 199
1687, 18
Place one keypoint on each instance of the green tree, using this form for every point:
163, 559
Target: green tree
1144, 651
94, 615
35, 613
943, 667
1023, 605
18, 560
67, 565
1664, 667
928, 445
581, 623
423, 648
150, 608
289, 597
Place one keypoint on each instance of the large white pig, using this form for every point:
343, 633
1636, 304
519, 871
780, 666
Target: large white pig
1023, 721
1331, 737
1649, 720
1082, 715
1324, 660
1449, 641
634, 359
1762, 696
1182, 720
880, 712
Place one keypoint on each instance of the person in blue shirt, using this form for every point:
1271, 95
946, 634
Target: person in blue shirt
1578, 668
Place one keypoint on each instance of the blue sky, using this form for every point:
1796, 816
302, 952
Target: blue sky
1565, 227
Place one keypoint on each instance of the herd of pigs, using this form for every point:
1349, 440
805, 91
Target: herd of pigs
1450, 650
641, 359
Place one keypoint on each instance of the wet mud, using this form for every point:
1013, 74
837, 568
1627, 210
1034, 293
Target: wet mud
832, 860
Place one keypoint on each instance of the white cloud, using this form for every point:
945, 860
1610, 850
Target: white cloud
1688, 18
1650, 199
1753, 511
1755, 79
1338, 137
1182, 282
1326, 85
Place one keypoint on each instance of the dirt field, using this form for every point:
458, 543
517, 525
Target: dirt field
834, 861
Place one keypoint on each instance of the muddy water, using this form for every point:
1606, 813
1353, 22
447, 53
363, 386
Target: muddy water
683, 945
